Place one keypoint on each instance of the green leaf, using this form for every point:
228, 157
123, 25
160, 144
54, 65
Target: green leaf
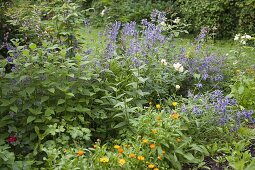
52, 90
49, 111
30, 119
61, 101
32, 46
14, 108
44, 98
30, 90
241, 89
70, 94
120, 125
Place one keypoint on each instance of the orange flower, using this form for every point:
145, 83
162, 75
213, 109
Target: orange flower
132, 155
174, 116
145, 141
80, 153
151, 166
141, 158
154, 131
178, 139
120, 150
122, 162
94, 146
152, 146
116, 146
158, 106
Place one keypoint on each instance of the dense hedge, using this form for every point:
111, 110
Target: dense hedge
229, 17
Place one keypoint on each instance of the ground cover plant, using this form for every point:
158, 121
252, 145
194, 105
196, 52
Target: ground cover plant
131, 95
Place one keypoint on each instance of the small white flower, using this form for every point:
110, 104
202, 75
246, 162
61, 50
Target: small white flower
226, 54
177, 87
247, 36
163, 61
177, 20
237, 36
103, 12
178, 67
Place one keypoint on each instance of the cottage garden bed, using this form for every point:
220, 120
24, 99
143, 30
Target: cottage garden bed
129, 97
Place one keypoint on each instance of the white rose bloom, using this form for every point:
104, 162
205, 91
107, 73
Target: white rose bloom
181, 69
237, 37
178, 67
163, 61
247, 36
177, 87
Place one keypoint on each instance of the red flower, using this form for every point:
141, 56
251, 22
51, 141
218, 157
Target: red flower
12, 139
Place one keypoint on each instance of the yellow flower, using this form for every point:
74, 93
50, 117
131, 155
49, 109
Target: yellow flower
141, 158
174, 116
145, 141
159, 157
122, 162
116, 146
174, 104
154, 131
152, 146
164, 152
151, 166
120, 150
80, 153
178, 139
65, 150
132, 155
155, 169
150, 102
158, 106
158, 118
104, 159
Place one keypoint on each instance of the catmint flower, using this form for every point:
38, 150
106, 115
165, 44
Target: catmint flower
199, 85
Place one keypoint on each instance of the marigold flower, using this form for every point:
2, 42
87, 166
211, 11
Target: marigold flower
158, 106
174, 116
151, 166
158, 118
120, 150
154, 131
132, 155
145, 141
152, 146
178, 139
141, 158
159, 157
174, 104
155, 169
116, 147
80, 153
104, 159
122, 162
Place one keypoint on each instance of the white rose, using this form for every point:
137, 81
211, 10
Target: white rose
178, 67
237, 37
177, 87
163, 61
